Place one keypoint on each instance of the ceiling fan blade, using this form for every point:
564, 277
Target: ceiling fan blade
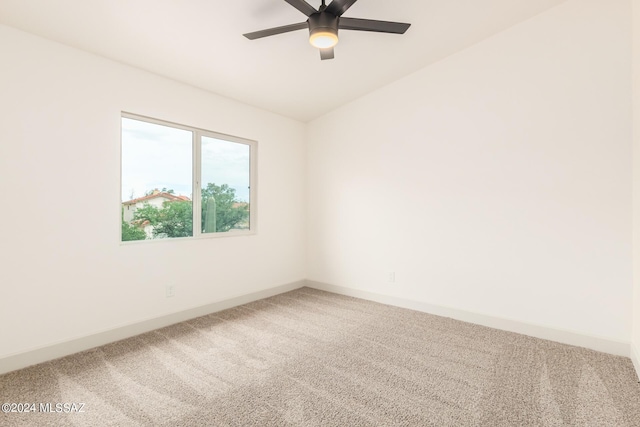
302, 6
338, 7
276, 30
326, 53
372, 25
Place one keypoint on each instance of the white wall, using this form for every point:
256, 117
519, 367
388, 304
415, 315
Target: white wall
635, 337
497, 181
64, 273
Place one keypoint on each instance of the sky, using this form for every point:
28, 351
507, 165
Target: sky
156, 156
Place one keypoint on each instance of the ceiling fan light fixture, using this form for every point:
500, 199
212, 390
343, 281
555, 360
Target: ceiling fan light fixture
323, 38
324, 22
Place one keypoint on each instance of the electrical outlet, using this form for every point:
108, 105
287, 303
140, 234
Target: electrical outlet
171, 291
391, 276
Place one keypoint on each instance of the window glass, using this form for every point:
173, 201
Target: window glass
225, 185
174, 176
156, 181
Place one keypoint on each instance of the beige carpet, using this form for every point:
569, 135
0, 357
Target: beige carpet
312, 358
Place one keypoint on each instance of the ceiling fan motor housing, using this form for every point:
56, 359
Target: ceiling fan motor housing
323, 22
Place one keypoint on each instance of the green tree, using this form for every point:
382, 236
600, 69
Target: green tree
229, 212
131, 232
174, 219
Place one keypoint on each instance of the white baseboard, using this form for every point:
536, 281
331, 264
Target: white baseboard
635, 358
605, 345
60, 349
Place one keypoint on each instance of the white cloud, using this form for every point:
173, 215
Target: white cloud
156, 156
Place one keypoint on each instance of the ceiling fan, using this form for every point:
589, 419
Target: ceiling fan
324, 23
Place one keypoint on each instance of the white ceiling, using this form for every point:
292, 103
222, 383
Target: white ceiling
200, 42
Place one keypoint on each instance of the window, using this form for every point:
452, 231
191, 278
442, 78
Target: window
174, 177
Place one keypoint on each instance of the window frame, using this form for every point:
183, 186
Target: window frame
196, 171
